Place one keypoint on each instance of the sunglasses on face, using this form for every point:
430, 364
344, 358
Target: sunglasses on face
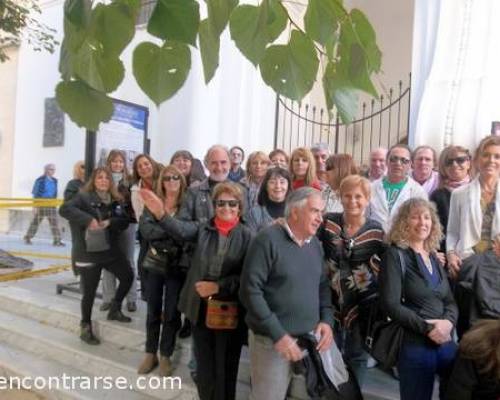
396, 159
169, 178
230, 203
459, 160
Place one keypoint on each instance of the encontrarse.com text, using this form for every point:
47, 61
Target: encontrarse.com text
68, 382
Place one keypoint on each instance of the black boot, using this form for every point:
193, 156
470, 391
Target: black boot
87, 335
185, 330
115, 313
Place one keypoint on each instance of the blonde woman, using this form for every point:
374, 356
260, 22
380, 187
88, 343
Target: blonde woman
428, 312
75, 184
257, 164
303, 169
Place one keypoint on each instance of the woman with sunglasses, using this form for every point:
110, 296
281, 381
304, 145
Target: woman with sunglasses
117, 164
353, 245
163, 288
221, 246
454, 172
96, 212
273, 193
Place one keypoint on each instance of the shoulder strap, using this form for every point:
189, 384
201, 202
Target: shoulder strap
403, 272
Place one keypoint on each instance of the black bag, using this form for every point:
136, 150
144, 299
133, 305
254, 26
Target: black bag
156, 260
385, 336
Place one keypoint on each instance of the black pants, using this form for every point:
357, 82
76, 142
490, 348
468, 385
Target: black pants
217, 354
90, 277
163, 296
143, 249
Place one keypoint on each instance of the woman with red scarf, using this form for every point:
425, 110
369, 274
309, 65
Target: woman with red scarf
221, 246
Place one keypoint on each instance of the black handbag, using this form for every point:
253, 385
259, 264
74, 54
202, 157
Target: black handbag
156, 260
385, 336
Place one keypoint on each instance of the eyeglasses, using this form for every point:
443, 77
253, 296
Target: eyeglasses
169, 178
230, 203
459, 160
396, 159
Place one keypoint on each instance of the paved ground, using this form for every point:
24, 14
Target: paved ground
381, 385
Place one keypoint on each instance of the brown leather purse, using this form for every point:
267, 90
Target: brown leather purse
221, 314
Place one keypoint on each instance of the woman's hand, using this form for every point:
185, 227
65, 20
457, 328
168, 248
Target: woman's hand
206, 288
441, 257
153, 203
441, 333
454, 264
104, 224
94, 225
496, 246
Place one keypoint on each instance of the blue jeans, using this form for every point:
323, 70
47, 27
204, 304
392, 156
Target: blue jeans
419, 363
350, 342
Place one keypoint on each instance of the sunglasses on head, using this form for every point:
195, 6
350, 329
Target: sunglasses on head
230, 203
169, 178
396, 159
459, 160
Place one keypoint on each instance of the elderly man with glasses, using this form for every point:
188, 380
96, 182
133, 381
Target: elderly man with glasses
392, 190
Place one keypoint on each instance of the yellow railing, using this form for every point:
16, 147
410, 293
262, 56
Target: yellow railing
11, 202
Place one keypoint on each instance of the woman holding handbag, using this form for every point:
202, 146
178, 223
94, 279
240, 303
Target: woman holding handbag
164, 278
210, 295
96, 220
420, 300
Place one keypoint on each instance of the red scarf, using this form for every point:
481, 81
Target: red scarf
298, 183
224, 227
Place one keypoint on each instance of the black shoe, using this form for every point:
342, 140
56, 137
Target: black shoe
115, 314
27, 240
58, 243
131, 306
87, 335
185, 331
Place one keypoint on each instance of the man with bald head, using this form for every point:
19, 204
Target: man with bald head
378, 164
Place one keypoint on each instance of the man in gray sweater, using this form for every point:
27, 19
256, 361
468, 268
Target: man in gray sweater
285, 290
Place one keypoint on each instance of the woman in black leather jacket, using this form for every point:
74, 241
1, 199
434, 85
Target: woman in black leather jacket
221, 246
96, 220
164, 286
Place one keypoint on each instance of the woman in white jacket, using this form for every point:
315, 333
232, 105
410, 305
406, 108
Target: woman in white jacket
474, 223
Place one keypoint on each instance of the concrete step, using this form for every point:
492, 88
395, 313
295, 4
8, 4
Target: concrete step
46, 379
106, 360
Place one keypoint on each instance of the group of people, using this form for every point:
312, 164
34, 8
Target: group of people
293, 245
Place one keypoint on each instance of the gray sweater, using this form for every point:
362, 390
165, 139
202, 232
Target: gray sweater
284, 287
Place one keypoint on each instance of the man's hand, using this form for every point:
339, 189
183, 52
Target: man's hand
324, 331
441, 333
454, 264
104, 224
206, 288
153, 203
288, 348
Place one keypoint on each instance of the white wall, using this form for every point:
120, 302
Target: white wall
235, 108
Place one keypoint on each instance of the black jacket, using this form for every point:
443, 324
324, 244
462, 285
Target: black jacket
209, 243
80, 211
154, 233
72, 188
442, 198
421, 301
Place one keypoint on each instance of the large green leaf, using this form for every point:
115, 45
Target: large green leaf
209, 49
85, 106
77, 14
354, 63
253, 28
340, 93
367, 38
102, 72
175, 20
291, 69
161, 71
113, 25
219, 12
321, 20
